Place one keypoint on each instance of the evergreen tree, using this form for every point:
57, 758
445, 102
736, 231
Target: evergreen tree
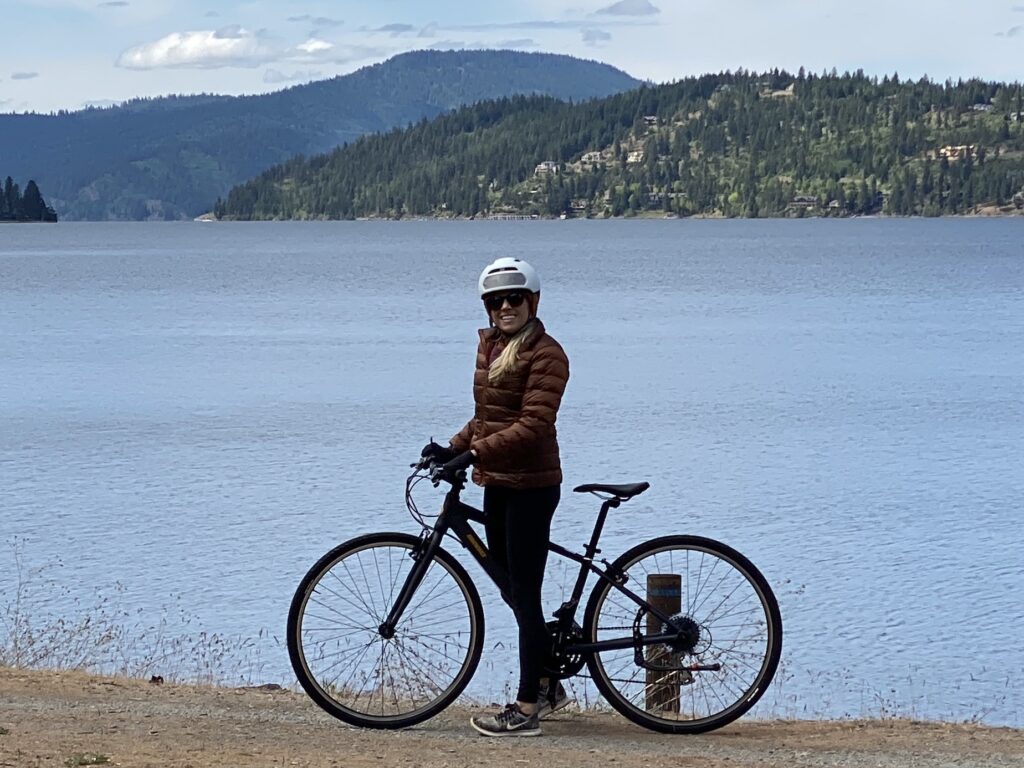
849, 141
32, 205
14, 201
28, 207
7, 204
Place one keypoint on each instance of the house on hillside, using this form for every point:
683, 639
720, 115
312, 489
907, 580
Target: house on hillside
650, 120
636, 156
591, 158
786, 93
545, 168
804, 201
958, 151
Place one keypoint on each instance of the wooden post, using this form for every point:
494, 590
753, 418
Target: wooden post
664, 592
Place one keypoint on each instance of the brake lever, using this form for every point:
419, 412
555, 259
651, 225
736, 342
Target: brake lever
423, 463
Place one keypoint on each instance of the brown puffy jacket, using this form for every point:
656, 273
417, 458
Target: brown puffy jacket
513, 432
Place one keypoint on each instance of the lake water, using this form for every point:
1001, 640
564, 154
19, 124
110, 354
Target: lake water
191, 414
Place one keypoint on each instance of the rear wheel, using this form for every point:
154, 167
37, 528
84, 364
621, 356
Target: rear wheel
729, 636
351, 670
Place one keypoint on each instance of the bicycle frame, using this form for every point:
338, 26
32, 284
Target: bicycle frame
455, 517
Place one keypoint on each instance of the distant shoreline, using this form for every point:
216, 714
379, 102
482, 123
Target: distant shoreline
639, 217
649, 216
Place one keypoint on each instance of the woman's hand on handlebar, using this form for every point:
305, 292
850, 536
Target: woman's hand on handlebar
438, 453
450, 470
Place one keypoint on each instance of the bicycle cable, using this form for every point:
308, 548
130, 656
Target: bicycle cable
421, 517
411, 482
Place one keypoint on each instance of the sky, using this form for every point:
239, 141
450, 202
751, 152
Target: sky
69, 54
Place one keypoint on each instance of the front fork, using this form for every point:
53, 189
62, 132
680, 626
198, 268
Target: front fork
422, 556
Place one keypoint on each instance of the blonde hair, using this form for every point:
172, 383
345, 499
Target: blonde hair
505, 363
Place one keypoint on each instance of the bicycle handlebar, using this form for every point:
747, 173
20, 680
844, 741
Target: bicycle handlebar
433, 469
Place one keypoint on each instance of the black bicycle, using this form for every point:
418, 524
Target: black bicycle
681, 634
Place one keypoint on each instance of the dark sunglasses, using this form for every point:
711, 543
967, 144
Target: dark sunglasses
496, 301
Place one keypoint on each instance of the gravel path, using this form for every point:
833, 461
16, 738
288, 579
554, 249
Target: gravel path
60, 719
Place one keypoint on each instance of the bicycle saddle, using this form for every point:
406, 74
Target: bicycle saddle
621, 491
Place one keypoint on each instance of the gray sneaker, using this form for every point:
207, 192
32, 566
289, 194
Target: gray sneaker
545, 706
509, 722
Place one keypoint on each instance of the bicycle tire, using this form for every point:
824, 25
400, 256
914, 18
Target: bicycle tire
711, 554
344, 606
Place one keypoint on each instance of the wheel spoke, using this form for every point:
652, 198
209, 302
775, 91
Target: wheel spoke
734, 616
359, 675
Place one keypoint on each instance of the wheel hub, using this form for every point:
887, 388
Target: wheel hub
690, 633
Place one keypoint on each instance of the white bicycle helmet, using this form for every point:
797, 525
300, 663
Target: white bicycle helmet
508, 274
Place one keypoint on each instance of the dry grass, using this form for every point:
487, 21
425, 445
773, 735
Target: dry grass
104, 638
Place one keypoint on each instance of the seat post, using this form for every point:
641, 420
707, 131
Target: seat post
599, 526
589, 552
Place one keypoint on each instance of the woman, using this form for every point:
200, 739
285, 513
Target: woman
521, 373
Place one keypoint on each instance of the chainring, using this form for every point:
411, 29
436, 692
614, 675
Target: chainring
560, 664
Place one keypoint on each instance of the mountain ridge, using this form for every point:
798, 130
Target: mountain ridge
171, 157
730, 144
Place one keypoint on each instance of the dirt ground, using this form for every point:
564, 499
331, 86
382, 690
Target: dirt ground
69, 718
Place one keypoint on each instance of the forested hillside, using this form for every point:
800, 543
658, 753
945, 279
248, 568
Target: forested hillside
172, 157
733, 144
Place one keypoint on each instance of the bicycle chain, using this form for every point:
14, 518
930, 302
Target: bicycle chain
612, 679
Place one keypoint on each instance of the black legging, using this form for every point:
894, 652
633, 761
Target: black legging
518, 527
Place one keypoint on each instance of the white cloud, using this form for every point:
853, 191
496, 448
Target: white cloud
553, 25
1011, 32
396, 29
273, 76
545, 24
202, 49
346, 54
24, 75
428, 31
595, 37
313, 45
320, 21
520, 42
231, 32
448, 45
630, 8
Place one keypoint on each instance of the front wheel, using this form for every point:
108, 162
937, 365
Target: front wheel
351, 670
728, 646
